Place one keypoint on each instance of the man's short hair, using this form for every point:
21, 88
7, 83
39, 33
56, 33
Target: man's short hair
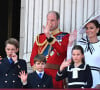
56, 13
12, 41
40, 58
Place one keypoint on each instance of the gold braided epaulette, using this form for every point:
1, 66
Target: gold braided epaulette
38, 43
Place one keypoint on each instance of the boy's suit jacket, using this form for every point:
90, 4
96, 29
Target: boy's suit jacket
9, 73
34, 81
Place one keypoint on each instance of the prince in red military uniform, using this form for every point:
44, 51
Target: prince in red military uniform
52, 44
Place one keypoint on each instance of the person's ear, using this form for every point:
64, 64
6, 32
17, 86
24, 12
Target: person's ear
83, 56
58, 21
97, 30
17, 49
5, 48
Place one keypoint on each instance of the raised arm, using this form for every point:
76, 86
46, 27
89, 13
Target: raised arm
62, 72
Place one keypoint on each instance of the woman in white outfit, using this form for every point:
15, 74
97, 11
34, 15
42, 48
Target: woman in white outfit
91, 46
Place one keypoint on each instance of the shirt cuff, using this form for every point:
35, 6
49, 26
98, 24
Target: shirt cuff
16, 62
24, 83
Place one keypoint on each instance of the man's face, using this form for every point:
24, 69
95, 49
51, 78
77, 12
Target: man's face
40, 66
52, 21
10, 49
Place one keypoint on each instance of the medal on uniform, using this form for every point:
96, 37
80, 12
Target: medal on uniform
59, 38
51, 53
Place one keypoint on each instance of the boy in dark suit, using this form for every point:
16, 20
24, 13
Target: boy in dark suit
37, 79
11, 66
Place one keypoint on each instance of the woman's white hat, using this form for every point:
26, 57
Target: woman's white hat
95, 17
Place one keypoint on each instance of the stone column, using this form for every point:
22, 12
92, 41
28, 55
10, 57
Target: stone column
26, 29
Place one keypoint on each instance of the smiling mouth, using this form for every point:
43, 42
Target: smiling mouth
76, 59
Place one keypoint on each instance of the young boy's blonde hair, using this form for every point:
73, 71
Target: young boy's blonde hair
12, 41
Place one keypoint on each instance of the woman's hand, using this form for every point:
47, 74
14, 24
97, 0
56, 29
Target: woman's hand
72, 37
97, 86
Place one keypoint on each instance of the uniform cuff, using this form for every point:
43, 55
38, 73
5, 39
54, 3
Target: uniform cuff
50, 39
59, 73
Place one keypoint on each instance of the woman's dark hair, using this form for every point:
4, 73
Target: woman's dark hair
78, 47
96, 23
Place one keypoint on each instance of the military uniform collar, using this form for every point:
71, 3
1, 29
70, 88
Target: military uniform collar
56, 31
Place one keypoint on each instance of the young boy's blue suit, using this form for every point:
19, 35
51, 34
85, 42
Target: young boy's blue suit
34, 81
9, 73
